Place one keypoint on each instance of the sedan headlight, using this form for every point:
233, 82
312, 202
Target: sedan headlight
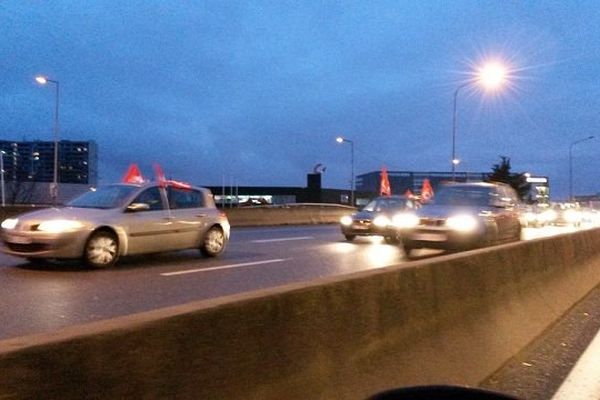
346, 220
381, 221
59, 225
572, 216
550, 215
9, 223
462, 223
405, 220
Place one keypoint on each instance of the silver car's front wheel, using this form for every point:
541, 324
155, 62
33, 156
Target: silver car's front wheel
101, 250
213, 243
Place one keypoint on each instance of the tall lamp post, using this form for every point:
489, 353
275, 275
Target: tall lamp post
491, 76
2, 176
341, 139
571, 164
42, 80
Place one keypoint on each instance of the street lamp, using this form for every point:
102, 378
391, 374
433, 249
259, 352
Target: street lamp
491, 76
2, 153
571, 164
43, 80
341, 139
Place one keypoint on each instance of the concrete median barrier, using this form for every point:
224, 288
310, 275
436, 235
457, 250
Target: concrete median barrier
288, 214
452, 319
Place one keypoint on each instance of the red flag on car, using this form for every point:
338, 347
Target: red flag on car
133, 175
426, 190
384, 187
160, 177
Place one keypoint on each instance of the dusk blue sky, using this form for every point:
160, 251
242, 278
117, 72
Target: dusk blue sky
255, 92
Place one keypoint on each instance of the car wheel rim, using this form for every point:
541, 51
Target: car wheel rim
102, 250
214, 241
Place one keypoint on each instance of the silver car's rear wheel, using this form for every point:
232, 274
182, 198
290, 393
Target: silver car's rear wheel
213, 243
101, 250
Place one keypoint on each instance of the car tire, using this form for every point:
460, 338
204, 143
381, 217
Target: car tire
101, 250
518, 230
407, 246
213, 242
349, 237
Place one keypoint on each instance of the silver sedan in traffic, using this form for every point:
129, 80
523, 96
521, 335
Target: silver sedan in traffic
118, 220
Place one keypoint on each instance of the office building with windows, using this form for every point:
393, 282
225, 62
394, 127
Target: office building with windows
34, 161
29, 169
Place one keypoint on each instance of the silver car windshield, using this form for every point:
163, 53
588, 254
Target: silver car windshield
463, 196
104, 197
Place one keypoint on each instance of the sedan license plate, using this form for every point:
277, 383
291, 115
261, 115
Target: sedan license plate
18, 239
430, 237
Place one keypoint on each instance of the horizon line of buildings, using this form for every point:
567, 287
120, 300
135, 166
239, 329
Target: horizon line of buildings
29, 168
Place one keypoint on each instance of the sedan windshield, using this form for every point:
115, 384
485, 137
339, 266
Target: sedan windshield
379, 205
463, 196
104, 197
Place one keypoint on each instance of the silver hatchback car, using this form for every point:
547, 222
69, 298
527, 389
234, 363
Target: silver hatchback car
118, 220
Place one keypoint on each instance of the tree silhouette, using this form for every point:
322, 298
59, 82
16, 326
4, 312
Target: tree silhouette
501, 173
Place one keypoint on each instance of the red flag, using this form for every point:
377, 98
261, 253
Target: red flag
163, 182
133, 175
426, 190
384, 187
160, 175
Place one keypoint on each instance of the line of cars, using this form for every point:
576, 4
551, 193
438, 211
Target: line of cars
460, 216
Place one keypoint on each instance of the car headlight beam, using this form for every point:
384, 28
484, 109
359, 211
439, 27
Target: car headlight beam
346, 220
405, 220
381, 221
462, 223
59, 225
10, 223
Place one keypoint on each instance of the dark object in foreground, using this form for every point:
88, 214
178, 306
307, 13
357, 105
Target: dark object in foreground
440, 393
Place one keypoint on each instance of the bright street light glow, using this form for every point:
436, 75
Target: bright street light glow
492, 75
339, 139
456, 161
42, 80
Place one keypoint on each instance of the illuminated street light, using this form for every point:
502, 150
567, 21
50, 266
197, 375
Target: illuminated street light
341, 139
42, 80
491, 77
571, 164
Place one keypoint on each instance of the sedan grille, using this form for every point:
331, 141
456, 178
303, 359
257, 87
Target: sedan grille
432, 222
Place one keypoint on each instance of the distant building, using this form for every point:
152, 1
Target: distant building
34, 161
29, 169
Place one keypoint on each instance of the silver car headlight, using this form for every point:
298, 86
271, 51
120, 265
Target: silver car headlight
9, 223
346, 220
59, 225
381, 221
462, 223
405, 220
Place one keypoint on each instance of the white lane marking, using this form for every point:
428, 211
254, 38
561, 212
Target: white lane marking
583, 382
282, 239
248, 264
